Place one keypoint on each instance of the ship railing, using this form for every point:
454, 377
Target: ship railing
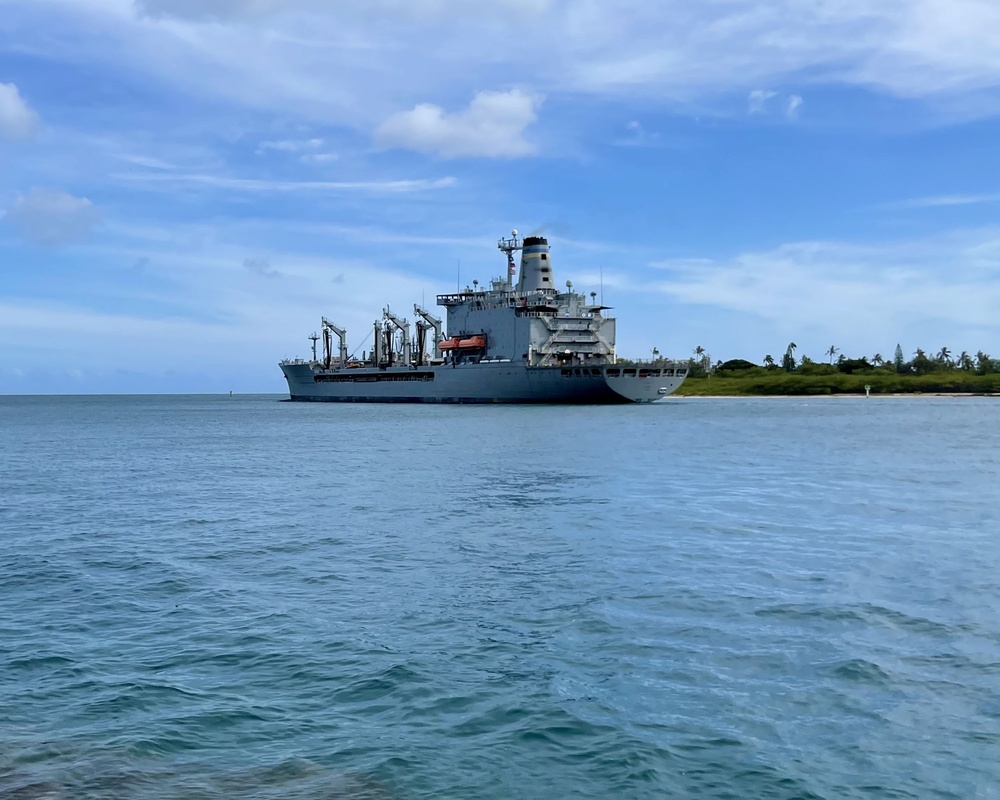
650, 362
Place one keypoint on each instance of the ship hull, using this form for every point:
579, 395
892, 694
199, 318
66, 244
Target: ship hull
497, 382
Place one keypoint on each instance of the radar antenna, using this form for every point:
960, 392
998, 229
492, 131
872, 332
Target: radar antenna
509, 246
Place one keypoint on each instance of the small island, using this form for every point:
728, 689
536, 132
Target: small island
941, 373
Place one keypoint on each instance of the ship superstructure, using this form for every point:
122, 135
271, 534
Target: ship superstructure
516, 342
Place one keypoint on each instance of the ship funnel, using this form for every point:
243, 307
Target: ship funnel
536, 268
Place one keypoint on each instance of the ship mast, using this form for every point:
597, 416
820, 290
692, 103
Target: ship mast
510, 246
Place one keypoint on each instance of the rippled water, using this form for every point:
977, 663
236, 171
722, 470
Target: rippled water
208, 597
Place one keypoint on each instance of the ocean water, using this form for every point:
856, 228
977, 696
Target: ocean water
215, 597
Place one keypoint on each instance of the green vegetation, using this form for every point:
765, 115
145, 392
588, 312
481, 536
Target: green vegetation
940, 373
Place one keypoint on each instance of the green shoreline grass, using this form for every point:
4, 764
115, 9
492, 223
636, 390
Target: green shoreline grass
781, 383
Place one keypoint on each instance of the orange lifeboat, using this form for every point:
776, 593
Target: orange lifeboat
477, 342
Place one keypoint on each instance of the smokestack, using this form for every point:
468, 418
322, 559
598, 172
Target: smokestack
536, 268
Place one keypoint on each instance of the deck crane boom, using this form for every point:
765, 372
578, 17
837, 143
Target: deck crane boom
341, 334
435, 323
403, 326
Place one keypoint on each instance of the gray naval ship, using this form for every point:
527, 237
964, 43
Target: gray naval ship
511, 343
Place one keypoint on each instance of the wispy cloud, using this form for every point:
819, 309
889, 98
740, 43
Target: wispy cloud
319, 158
855, 294
261, 266
944, 200
146, 161
208, 301
357, 65
289, 145
638, 136
261, 185
793, 106
220, 10
757, 100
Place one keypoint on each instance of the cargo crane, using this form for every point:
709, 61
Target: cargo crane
327, 342
404, 327
430, 322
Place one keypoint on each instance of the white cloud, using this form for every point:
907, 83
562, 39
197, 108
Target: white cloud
911, 48
354, 64
17, 120
856, 295
757, 99
493, 125
794, 104
48, 217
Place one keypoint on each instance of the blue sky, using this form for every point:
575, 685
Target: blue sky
186, 186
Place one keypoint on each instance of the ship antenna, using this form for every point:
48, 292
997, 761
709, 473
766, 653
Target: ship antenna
508, 246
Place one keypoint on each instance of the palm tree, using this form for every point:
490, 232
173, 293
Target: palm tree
944, 356
984, 363
832, 352
788, 362
965, 361
769, 361
921, 363
877, 360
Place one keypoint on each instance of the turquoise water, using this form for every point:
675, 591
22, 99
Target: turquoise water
214, 597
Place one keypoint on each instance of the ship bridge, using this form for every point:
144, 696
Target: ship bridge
529, 321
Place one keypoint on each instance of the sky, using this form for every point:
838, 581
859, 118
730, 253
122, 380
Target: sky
187, 186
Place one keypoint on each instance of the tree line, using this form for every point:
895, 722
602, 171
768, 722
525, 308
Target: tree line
925, 371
